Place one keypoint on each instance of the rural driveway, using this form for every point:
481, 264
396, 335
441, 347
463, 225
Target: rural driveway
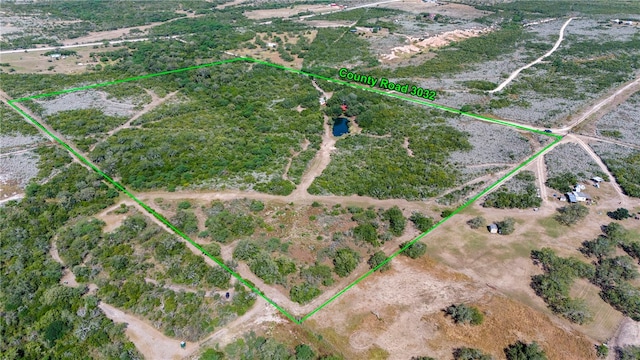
536, 61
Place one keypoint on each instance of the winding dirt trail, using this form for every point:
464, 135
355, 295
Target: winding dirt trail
304, 146
322, 158
155, 102
68, 278
319, 162
536, 61
405, 145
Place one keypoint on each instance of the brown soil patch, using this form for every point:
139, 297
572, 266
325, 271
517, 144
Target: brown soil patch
9, 189
111, 218
327, 23
400, 312
148, 340
507, 321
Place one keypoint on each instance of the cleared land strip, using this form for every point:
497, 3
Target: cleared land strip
610, 141
536, 61
193, 245
633, 85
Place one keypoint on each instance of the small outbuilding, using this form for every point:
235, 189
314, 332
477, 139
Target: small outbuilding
580, 196
597, 179
493, 228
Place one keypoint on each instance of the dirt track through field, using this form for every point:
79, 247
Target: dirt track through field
542, 177
148, 340
536, 61
620, 94
304, 146
600, 163
323, 156
155, 102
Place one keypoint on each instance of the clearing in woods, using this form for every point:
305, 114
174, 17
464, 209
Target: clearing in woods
160, 218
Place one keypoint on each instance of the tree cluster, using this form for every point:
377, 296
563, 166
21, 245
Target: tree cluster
464, 314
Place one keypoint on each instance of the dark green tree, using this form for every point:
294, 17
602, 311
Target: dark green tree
421, 222
397, 221
477, 222
619, 214
414, 250
599, 248
345, 261
506, 226
523, 351
465, 353
571, 214
305, 352
462, 314
376, 259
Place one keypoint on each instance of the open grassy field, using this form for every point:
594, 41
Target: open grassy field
503, 262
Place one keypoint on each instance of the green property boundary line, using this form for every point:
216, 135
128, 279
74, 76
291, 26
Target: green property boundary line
225, 267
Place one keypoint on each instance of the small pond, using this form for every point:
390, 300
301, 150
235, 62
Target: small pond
340, 126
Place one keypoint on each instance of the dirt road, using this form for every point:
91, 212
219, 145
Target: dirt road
631, 87
610, 141
68, 278
304, 146
600, 163
542, 177
318, 163
148, 340
536, 61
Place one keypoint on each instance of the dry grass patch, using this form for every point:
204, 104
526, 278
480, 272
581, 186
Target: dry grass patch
286, 12
605, 318
505, 322
36, 62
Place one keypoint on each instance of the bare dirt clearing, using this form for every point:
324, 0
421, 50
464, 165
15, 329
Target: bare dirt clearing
417, 45
148, 340
411, 322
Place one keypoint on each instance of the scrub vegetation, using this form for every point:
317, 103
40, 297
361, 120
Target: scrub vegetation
57, 321
277, 252
624, 163
243, 144
609, 272
519, 192
379, 166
